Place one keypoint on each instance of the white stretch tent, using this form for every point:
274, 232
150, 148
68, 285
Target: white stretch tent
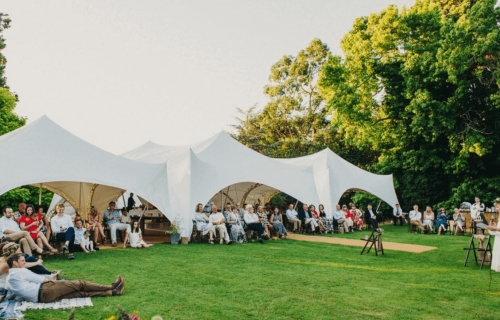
221, 164
43, 153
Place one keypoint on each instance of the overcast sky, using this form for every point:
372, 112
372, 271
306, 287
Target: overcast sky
119, 73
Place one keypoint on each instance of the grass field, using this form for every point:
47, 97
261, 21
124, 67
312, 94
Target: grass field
288, 280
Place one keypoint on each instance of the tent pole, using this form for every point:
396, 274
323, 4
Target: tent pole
40, 195
123, 198
224, 204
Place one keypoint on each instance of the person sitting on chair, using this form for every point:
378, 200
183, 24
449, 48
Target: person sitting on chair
442, 221
459, 219
63, 229
217, 219
348, 218
277, 221
10, 231
373, 216
36, 288
397, 214
357, 218
95, 225
339, 218
253, 223
415, 217
428, 219
308, 218
114, 219
293, 217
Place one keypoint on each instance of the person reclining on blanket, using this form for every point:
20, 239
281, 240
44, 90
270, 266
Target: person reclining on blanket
36, 288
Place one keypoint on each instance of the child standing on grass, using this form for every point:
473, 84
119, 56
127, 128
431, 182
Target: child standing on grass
87, 244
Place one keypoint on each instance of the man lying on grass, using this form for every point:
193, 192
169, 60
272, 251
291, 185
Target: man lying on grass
36, 288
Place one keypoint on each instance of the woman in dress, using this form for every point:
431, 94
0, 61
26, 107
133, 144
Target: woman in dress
348, 218
495, 231
277, 221
442, 221
428, 220
357, 218
135, 237
202, 222
32, 222
237, 232
315, 215
264, 220
326, 219
459, 219
95, 225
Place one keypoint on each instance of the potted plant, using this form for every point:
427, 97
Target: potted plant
175, 232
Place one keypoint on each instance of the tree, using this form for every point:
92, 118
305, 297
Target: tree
420, 89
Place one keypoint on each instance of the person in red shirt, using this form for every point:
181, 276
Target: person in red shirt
357, 218
32, 222
348, 218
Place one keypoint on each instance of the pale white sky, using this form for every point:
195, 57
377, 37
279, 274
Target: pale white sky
119, 73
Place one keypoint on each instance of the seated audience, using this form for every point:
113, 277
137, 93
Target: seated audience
293, 217
373, 216
307, 219
217, 219
264, 220
326, 219
115, 222
63, 229
339, 218
45, 229
428, 222
95, 225
10, 231
135, 237
32, 222
415, 217
459, 219
82, 241
348, 218
313, 213
277, 221
237, 232
32, 263
442, 221
36, 288
253, 223
203, 222
20, 211
397, 215
357, 218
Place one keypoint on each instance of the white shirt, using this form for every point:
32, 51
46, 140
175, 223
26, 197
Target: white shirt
292, 214
397, 212
8, 224
251, 217
57, 222
476, 209
79, 235
338, 214
24, 283
216, 217
415, 215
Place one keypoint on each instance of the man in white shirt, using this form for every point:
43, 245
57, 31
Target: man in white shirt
416, 217
63, 229
114, 219
308, 219
253, 223
339, 218
476, 209
36, 288
10, 231
397, 214
293, 217
219, 222
373, 216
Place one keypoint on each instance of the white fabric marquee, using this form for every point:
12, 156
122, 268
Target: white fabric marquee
223, 169
44, 154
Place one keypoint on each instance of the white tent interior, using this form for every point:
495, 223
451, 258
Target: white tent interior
79, 172
224, 170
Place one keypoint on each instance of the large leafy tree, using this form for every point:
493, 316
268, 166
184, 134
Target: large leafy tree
420, 89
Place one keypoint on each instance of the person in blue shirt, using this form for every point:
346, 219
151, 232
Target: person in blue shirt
114, 219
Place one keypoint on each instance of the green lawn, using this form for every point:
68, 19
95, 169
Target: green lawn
288, 279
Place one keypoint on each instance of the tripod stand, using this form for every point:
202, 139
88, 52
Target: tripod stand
375, 239
480, 249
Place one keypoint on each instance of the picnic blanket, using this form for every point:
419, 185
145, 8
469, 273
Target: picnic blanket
14, 308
